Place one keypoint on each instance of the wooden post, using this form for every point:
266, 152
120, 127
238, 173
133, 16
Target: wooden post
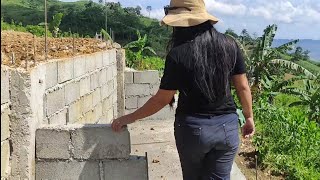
46, 29
34, 49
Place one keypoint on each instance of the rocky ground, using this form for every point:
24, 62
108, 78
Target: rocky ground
17, 48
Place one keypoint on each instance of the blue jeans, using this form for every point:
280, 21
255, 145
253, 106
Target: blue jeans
207, 145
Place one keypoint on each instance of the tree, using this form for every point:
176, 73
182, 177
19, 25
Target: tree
137, 49
149, 9
55, 23
231, 33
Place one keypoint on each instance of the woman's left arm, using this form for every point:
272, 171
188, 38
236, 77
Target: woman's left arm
152, 106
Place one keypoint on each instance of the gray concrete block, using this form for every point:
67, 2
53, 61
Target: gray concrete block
96, 96
132, 102
65, 70
59, 118
104, 91
5, 121
113, 56
97, 112
143, 100
115, 111
98, 142
79, 66
163, 114
5, 96
88, 118
52, 144
87, 103
128, 77
99, 60
68, 170
115, 84
106, 58
5, 156
102, 77
94, 81
137, 90
148, 77
51, 74
110, 87
109, 74
85, 86
236, 173
154, 88
55, 101
107, 104
71, 92
136, 168
90, 63
114, 70
110, 115
75, 111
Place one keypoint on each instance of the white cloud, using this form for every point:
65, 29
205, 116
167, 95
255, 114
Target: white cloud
155, 13
225, 8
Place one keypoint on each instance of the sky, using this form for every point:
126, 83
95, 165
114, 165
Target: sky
296, 19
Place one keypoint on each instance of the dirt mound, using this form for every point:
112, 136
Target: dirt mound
19, 48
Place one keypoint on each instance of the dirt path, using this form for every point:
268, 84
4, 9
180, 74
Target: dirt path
157, 139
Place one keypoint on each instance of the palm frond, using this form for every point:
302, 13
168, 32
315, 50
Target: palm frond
299, 103
150, 49
293, 66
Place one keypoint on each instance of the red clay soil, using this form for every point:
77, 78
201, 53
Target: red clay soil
21, 46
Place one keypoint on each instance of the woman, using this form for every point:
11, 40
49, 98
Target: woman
201, 65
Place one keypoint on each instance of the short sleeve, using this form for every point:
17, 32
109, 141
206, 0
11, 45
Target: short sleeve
170, 80
240, 65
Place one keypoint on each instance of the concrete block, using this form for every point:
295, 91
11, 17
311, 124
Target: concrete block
115, 111
110, 115
99, 60
52, 144
88, 117
94, 81
148, 77
87, 103
55, 101
154, 88
132, 102
90, 63
143, 100
79, 66
114, 97
129, 111
102, 77
96, 96
114, 70
59, 118
109, 74
68, 170
5, 156
51, 74
113, 56
75, 111
115, 84
65, 70
105, 57
137, 90
110, 87
85, 86
5, 121
98, 142
97, 113
106, 104
165, 113
104, 91
5, 96
136, 168
128, 77
72, 92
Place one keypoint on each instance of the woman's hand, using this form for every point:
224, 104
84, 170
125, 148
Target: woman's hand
248, 128
119, 123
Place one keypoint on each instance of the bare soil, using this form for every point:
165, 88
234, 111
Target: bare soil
24, 47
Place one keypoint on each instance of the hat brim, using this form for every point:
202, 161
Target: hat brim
188, 19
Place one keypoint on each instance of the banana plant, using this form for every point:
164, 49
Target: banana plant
139, 48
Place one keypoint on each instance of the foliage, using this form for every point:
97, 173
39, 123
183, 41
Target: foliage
286, 141
55, 23
34, 29
311, 66
300, 55
105, 35
153, 63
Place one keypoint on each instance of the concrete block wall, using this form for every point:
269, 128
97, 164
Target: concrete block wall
140, 86
82, 88
86, 152
5, 123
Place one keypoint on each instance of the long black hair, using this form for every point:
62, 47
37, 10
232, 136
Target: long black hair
214, 56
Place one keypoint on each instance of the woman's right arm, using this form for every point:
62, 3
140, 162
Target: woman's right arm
241, 85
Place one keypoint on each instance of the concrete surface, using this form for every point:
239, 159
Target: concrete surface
157, 139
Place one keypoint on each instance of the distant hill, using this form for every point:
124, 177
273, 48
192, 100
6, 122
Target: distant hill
307, 44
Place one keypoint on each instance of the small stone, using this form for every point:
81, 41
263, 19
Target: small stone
152, 129
155, 161
116, 45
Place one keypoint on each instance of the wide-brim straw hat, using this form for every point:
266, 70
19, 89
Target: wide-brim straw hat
186, 13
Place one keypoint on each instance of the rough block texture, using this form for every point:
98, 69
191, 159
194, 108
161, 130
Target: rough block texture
136, 168
148, 77
4, 85
137, 89
51, 74
5, 155
79, 66
52, 144
97, 112
94, 81
100, 142
96, 97
102, 77
55, 101
90, 63
99, 60
75, 111
105, 57
68, 170
143, 100
154, 89
128, 77
85, 86
132, 102
121, 64
87, 103
59, 118
104, 91
65, 70
71, 92
5, 120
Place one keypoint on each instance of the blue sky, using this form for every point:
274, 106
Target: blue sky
296, 19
